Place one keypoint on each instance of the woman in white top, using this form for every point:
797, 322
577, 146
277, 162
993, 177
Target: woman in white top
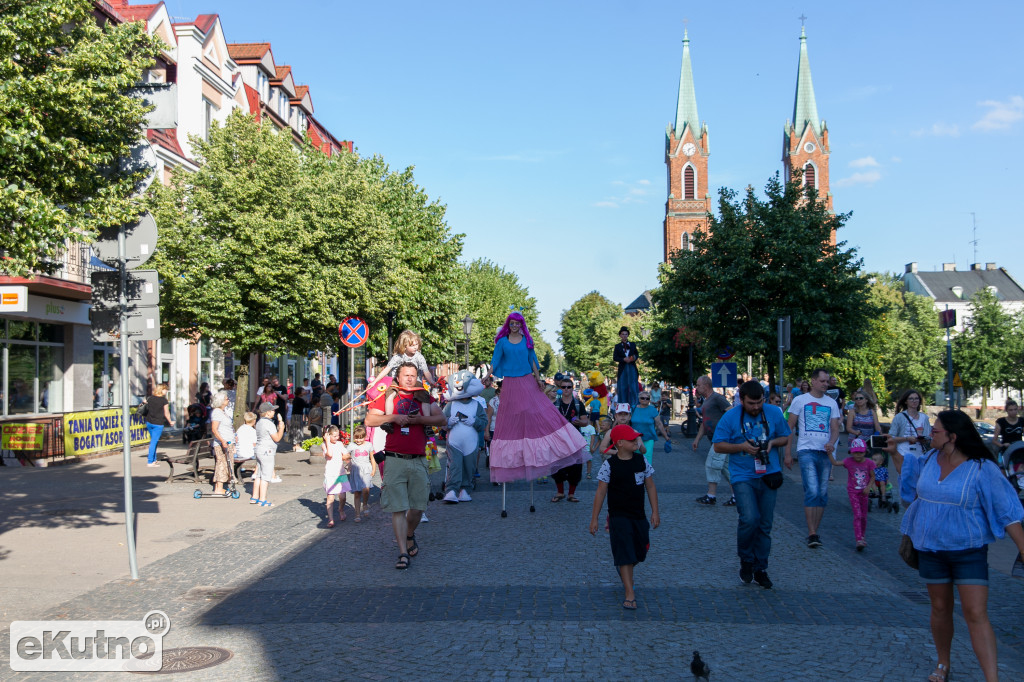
223, 441
910, 425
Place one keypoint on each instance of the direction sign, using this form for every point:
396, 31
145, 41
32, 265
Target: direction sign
726, 353
143, 287
353, 332
723, 374
142, 323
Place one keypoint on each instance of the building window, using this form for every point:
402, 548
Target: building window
809, 177
689, 182
33, 367
209, 110
684, 242
106, 375
206, 363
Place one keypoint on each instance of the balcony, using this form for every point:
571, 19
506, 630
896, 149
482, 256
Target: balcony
69, 278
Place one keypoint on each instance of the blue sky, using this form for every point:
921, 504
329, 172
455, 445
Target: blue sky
541, 124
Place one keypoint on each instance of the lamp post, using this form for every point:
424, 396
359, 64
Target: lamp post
467, 327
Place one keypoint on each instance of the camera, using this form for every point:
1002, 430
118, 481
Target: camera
762, 450
387, 427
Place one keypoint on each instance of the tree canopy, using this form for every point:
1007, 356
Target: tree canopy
760, 260
66, 121
981, 352
589, 332
488, 291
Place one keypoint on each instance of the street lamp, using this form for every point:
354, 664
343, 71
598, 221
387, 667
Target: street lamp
467, 327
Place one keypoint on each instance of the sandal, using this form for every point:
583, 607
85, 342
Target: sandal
573, 498
330, 524
403, 562
558, 498
410, 545
941, 674
358, 519
629, 604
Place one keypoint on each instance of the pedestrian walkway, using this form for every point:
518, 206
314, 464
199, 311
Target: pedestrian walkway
535, 596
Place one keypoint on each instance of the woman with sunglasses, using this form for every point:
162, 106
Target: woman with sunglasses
959, 503
645, 420
862, 420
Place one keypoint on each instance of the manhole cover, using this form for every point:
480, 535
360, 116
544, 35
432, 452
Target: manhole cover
68, 512
191, 658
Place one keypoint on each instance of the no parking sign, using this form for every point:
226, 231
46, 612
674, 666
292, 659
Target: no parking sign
353, 332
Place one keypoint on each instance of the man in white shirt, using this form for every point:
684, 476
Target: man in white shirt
818, 418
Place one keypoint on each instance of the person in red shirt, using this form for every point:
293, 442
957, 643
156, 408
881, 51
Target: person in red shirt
407, 410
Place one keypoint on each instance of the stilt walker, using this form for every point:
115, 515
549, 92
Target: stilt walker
531, 439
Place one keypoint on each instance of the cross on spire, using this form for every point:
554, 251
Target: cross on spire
802, 19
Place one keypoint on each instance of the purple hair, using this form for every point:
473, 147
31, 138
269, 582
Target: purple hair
525, 330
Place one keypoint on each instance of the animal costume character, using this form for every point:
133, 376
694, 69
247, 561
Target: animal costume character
466, 419
596, 381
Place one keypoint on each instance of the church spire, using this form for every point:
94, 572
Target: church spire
686, 104
805, 108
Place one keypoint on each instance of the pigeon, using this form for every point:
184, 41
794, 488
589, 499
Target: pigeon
699, 668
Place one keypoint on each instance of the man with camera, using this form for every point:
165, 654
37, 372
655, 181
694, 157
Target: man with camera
404, 412
750, 434
818, 418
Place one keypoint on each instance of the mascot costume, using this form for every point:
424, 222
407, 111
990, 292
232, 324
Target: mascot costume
466, 416
596, 381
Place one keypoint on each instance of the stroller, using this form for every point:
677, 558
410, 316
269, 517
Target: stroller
888, 500
1012, 462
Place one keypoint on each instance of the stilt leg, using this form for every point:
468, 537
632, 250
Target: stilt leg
503, 512
532, 508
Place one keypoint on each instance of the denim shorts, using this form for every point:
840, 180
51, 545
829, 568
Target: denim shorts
960, 567
815, 467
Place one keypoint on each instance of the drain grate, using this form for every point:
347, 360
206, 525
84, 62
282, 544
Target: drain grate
190, 658
917, 597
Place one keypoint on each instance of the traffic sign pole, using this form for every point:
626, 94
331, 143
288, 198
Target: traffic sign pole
129, 517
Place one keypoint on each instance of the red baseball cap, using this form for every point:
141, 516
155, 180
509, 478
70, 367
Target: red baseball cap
623, 432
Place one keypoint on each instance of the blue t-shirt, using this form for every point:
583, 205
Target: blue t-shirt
512, 359
736, 426
643, 421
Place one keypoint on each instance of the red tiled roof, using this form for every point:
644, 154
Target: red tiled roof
282, 73
205, 22
253, 98
301, 91
166, 138
137, 12
246, 51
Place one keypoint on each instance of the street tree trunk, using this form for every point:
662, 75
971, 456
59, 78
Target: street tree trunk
241, 389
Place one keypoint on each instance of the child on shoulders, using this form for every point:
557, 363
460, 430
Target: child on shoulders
407, 349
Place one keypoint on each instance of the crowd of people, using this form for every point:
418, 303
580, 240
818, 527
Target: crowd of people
957, 499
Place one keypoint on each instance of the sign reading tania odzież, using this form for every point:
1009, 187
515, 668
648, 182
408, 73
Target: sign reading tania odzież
100, 430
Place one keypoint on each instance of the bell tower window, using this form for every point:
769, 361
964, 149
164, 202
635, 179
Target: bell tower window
809, 177
689, 182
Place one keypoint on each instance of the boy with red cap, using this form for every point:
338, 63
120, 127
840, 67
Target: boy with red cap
623, 479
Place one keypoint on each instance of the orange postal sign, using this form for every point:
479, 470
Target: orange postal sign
23, 436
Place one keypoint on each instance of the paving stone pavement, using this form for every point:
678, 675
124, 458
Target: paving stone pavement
535, 596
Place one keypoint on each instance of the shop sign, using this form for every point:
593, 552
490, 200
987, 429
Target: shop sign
57, 310
13, 299
100, 430
23, 436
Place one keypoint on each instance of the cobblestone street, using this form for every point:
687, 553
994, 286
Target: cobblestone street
535, 596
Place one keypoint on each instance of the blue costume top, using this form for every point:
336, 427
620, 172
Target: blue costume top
970, 508
512, 359
736, 426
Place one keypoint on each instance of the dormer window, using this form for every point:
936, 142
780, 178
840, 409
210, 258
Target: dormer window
958, 291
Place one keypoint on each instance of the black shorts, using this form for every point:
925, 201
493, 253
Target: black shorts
631, 538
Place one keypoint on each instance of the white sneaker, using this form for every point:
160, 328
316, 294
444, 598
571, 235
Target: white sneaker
464, 496
424, 519
275, 479
451, 498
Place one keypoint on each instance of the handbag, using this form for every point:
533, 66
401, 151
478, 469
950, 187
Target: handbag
773, 481
908, 553
143, 409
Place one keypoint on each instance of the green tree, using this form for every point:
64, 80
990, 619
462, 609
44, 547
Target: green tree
980, 351
903, 347
66, 121
589, 332
488, 291
759, 260
1014, 375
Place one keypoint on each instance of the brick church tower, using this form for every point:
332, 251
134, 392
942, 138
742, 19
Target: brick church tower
686, 155
805, 141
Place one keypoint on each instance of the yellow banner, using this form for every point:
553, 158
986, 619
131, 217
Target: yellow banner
100, 430
23, 436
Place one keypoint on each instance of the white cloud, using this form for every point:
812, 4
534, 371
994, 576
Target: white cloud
863, 178
626, 193
864, 162
896, 159
606, 204
1000, 115
938, 130
643, 182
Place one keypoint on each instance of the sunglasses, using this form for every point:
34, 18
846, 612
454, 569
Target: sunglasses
644, 398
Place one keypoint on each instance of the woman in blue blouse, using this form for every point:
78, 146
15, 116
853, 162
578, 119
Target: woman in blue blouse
959, 503
531, 438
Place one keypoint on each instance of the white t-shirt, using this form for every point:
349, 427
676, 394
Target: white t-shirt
245, 442
588, 432
901, 428
495, 401
265, 431
814, 417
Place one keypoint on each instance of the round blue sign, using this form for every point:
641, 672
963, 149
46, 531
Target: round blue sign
353, 332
